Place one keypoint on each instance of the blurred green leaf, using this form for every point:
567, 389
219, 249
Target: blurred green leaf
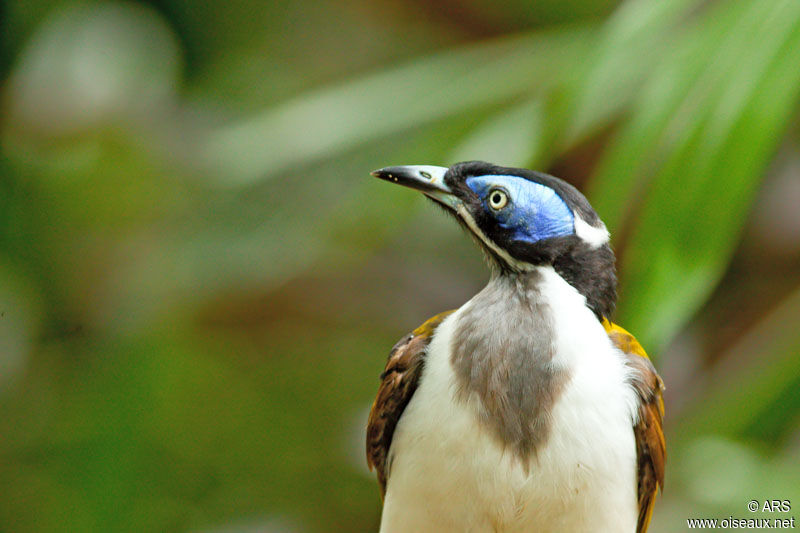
634, 154
715, 477
513, 136
90, 65
339, 118
744, 392
630, 45
705, 132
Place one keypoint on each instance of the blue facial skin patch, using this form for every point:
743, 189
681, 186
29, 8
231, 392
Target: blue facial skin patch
533, 212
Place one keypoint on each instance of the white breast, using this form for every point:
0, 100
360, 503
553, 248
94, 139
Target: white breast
449, 473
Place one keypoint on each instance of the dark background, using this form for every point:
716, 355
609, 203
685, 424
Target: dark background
199, 281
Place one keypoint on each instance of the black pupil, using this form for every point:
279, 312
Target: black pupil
496, 198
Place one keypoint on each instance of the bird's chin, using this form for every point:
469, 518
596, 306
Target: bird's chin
447, 207
495, 262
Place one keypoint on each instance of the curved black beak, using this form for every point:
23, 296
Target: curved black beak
426, 178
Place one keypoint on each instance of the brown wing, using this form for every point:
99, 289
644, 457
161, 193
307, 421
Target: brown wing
651, 449
398, 382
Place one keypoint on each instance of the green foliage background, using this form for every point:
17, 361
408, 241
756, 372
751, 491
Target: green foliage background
199, 282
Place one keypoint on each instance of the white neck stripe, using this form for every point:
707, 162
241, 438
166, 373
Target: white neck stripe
591, 235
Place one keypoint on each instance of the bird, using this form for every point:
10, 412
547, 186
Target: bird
525, 409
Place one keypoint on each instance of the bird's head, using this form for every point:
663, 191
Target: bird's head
523, 220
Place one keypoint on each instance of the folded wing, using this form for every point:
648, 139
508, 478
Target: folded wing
651, 449
399, 380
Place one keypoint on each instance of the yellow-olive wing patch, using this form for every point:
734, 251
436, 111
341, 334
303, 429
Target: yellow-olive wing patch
651, 448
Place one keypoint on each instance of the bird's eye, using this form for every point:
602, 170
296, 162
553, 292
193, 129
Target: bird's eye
498, 199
